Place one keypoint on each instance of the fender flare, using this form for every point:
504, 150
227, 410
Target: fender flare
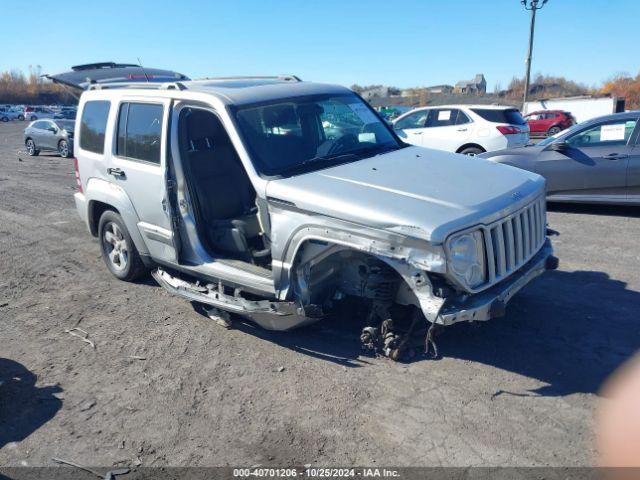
98, 190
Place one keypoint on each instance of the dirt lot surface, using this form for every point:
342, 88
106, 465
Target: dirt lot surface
165, 386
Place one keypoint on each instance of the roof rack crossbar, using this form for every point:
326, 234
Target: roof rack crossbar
283, 77
141, 85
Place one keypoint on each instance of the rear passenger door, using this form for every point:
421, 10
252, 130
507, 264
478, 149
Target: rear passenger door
138, 165
447, 129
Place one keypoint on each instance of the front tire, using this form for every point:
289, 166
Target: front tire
63, 149
21, 118
118, 250
32, 151
33, 117
472, 151
5, 119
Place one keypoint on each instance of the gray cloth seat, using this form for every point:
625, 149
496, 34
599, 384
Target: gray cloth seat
224, 192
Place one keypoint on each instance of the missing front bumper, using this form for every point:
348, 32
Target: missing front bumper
492, 302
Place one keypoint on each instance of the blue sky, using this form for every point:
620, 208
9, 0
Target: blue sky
402, 42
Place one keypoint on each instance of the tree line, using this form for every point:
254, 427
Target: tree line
31, 89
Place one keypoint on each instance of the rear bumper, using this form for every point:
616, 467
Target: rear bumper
492, 303
81, 207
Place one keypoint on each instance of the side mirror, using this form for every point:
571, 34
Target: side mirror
559, 146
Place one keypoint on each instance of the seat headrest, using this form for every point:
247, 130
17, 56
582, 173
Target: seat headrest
204, 130
279, 115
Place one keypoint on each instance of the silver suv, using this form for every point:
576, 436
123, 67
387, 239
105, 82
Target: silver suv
282, 200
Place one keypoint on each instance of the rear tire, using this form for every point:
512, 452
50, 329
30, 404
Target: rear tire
32, 151
472, 151
553, 130
21, 118
33, 117
118, 250
63, 149
5, 119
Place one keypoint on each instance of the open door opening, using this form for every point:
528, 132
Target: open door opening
221, 192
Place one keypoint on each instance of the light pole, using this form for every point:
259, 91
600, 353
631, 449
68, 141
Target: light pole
533, 6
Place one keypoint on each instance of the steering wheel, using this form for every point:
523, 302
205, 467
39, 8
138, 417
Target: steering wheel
343, 143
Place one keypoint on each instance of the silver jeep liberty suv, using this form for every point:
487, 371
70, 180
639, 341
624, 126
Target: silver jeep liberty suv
280, 200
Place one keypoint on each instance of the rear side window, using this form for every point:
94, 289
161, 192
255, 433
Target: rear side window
139, 131
510, 115
93, 126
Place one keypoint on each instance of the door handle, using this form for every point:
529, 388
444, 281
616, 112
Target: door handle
417, 133
462, 130
116, 172
616, 156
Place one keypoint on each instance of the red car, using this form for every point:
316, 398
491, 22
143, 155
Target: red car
549, 122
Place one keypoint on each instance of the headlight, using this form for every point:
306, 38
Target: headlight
467, 258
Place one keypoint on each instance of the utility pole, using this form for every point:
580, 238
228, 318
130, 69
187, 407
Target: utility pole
533, 6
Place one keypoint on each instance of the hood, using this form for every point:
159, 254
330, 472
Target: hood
527, 151
419, 192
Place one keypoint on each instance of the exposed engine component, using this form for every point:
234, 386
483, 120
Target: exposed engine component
387, 340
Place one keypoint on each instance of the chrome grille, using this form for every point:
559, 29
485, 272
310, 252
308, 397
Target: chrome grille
513, 240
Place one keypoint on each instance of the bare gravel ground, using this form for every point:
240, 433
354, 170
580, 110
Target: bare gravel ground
165, 386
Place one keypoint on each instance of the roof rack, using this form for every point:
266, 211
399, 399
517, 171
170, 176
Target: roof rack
284, 78
141, 85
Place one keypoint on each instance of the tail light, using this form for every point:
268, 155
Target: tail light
78, 182
508, 129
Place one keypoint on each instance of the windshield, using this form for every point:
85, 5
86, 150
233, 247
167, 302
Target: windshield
307, 133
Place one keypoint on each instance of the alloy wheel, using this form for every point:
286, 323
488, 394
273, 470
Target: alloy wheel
63, 149
115, 245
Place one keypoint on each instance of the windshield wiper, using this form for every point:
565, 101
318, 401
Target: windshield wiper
318, 159
356, 155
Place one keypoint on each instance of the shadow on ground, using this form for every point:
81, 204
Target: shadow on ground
569, 330
608, 210
24, 408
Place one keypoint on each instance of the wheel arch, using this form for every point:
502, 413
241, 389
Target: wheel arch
102, 196
415, 285
471, 145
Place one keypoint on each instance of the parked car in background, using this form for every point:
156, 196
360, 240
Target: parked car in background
35, 113
50, 135
597, 161
7, 114
467, 129
66, 115
549, 122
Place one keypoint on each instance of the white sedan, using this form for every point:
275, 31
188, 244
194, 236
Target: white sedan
467, 129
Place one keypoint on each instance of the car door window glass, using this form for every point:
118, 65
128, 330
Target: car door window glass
414, 120
40, 125
140, 131
612, 133
93, 125
443, 117
462, 118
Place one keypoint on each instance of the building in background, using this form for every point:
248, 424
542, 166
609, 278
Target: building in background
440, 89
472, 87
373, 92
